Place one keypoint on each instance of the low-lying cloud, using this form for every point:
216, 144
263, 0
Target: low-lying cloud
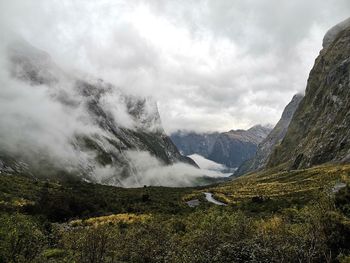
45, 114
35, 123
150, 171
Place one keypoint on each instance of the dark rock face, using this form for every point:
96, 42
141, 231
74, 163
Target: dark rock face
319, 131
234, 147
274, 138
191, 143
229, 148
35, 67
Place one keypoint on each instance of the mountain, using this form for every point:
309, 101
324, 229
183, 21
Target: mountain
194, 143
274, 138
108, 126
236, 146
228, 148
319, 131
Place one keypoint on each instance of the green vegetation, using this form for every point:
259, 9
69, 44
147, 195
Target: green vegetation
299, 185
61, 201
271, 217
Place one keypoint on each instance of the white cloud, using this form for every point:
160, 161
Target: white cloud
150, 171
212, 65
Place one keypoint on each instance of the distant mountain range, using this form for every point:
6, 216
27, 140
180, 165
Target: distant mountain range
230, 148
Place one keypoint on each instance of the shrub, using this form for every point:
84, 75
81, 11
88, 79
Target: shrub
21, 240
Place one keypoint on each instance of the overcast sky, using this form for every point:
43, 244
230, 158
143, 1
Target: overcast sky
211, 65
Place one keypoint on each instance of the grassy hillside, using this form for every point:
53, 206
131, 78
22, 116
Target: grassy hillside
270, 217
299, 184
61, 201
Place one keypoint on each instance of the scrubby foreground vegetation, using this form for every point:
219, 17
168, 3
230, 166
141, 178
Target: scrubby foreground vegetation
294, 216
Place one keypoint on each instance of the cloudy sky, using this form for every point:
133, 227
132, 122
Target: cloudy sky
210, 64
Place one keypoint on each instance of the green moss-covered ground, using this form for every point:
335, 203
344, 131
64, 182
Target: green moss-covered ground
270, 217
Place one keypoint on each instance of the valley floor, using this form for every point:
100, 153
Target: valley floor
271, 216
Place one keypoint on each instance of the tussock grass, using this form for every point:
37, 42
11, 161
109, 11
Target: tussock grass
272, 184
126, 218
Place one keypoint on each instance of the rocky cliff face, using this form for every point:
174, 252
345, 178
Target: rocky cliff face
319, 131
274, 138
194, 143
234, 147
117, 123
228, 148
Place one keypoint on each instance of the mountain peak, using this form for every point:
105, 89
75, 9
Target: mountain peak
319, 131
332, 33
260, 127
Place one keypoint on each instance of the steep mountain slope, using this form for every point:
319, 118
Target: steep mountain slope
228, 148
319, 131
234, 147
108, 125
275, 137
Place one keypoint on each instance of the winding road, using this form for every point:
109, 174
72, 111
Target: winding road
210, 198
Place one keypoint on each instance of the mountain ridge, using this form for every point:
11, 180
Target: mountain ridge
274, 138
318, 132
229, 148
